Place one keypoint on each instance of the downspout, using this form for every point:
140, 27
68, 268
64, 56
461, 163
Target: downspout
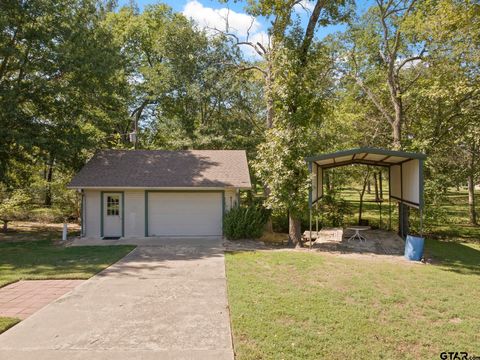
83, 211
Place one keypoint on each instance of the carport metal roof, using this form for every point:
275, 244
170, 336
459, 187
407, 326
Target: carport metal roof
364, 155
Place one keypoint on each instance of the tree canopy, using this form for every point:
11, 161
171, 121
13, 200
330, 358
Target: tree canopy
77, 76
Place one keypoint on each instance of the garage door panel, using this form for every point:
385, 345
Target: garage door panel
185, 214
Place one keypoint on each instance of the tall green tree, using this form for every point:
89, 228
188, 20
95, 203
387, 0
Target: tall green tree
445, 119
184, 88
297, 79
59, 84
381, 54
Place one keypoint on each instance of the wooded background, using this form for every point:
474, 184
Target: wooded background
76, 76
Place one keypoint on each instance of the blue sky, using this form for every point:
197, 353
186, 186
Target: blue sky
211, 14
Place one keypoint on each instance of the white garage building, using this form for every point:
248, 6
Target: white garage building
137, 193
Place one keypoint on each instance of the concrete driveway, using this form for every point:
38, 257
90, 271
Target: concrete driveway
163, 301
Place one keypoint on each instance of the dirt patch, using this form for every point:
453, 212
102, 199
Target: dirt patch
381, 245
274, 238
32, 231
248, 245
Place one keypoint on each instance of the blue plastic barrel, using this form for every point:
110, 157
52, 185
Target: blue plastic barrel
414, 247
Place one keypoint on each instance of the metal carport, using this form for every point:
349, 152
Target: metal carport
405, 169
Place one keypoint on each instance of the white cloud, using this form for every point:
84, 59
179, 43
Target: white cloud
305, 5
259, 37
240, 24
409, 64
210, 18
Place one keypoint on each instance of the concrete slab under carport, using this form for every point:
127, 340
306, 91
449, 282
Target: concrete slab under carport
165, 301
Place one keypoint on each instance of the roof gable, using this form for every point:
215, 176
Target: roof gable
162, 168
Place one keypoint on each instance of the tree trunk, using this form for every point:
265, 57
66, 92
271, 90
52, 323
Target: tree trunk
329, 184
327, 181
294, 230
269, 224
5, 226
397, 135
471, 200
269, 124
360, 208
396, 99
48, 187
369, 187
269, 95
380, 186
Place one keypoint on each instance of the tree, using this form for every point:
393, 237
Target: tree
184, 88
59, 83
12, 205
295, 60
366, 176
444, 119
380, 48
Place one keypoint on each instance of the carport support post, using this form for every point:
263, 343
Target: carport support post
380, 208
310, 200
421, 221
400, 219
403, 217
389, 214
310, 228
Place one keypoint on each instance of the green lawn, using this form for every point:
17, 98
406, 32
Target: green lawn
455, 226
7, 322
34, 231
35, 260
300, 305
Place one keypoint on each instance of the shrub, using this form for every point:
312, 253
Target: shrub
280, 221
46, 215
245, 222
434, 213
333, 210
13, 206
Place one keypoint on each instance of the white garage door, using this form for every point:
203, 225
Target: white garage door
185, 213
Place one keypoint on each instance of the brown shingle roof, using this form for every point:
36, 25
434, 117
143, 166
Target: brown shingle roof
161, 168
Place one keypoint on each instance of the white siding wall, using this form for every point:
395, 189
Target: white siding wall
134, 213
230, 199
92, 213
